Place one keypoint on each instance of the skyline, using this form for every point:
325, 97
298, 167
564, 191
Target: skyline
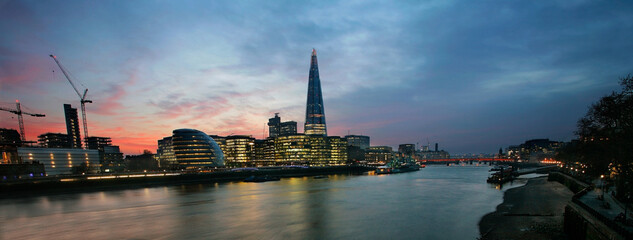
472, 76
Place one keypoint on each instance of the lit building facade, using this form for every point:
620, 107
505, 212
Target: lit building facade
338, 150
315, 113
379, 154
72, 126
62, 160
240, 151
293, 150
194, 149
310, 150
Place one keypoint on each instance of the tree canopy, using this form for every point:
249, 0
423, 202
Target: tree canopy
606, 138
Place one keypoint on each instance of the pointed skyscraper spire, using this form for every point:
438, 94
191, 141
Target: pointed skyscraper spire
315, 114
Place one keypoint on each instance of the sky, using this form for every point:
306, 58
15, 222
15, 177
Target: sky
473, 76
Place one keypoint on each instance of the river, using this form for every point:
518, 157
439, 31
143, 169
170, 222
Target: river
437, 202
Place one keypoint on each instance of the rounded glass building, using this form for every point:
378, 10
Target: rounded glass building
194, 149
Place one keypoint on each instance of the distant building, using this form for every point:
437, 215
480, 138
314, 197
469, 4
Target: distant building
54, 140
407, 150
62, 160
315, 113
534, 150
72, 126
277, 128
9, 142
146, 161
379, 155
111, 159
194, 149
358, 140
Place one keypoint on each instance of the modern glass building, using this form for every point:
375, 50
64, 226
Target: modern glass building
315, 113
194, 149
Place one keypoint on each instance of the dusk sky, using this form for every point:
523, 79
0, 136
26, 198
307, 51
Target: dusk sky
473, 76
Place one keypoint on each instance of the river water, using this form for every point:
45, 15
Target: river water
437, 202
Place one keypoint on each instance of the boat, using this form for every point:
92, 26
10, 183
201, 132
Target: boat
266, 178
398, 165
320, 177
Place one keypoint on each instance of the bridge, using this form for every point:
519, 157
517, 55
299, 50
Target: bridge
452, 160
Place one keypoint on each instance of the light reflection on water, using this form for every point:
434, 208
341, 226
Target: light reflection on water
438, 202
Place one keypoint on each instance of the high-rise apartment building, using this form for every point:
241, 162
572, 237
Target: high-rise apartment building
72, 126
315, 114
54, 140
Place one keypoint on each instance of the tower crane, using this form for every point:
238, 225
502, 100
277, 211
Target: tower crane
82, 97
18, 111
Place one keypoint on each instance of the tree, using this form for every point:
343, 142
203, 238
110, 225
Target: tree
606, 137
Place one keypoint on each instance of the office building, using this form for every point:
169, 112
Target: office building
315, 114
72, 126
288, 128
165, 154
338, 150
240, 150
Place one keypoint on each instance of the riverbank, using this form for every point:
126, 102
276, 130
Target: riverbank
89, 183
533, 211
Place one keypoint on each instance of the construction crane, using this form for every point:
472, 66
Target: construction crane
82, 97
18, 111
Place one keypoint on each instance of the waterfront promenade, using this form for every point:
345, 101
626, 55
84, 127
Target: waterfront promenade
533, 211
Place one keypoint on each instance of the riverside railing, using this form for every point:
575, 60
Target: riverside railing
605, 220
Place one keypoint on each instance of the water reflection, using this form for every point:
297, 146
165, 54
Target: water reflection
438, 202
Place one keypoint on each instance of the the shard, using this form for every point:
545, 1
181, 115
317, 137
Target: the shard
315, 114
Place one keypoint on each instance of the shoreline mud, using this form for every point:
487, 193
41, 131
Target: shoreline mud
533, 211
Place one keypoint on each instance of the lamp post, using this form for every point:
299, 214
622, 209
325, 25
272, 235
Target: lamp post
602, 186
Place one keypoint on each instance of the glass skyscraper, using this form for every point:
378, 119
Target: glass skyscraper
315, 115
